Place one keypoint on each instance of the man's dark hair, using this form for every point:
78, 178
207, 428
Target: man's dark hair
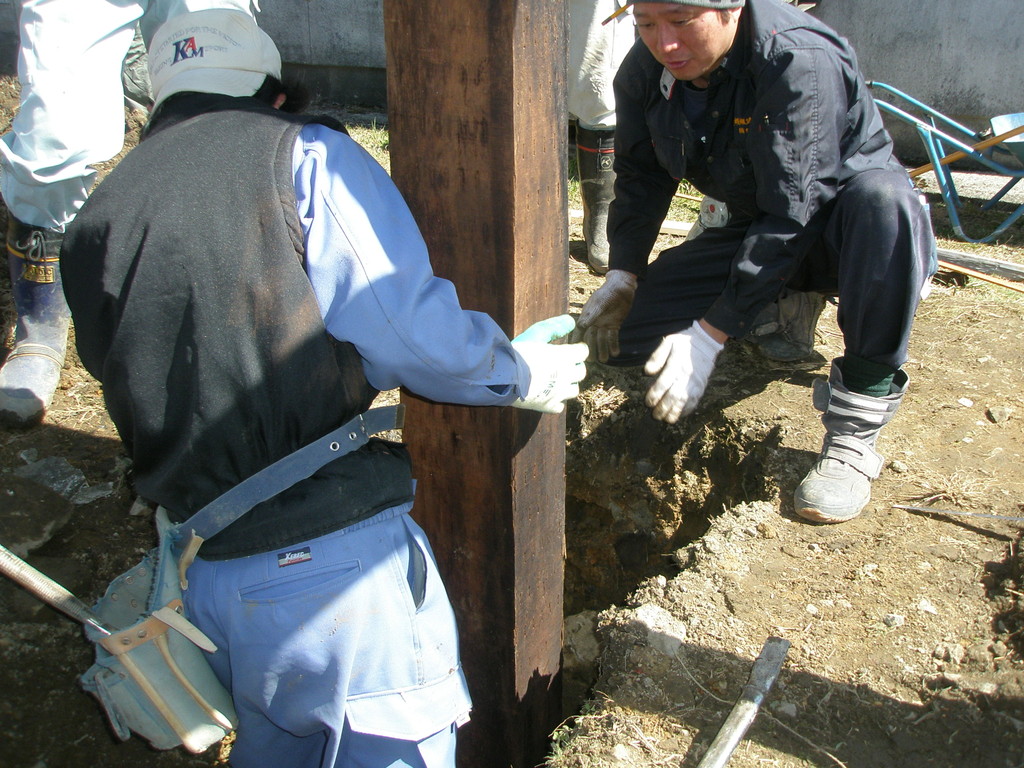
296, 94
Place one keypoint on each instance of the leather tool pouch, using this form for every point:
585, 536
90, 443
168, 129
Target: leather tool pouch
152, 675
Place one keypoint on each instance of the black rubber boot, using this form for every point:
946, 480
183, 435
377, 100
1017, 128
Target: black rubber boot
839, 484
31, 372
595, 155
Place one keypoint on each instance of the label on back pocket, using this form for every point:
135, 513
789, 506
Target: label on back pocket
294, 556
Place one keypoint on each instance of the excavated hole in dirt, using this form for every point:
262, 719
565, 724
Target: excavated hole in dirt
638, 491
626, 514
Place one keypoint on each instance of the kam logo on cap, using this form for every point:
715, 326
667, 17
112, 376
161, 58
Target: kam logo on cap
186, 49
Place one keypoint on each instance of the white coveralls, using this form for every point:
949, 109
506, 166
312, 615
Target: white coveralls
595, 52
72, 100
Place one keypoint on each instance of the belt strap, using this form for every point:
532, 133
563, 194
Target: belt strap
286, 472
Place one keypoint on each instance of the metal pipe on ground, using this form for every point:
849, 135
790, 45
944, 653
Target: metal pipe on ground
47, 590
762, 677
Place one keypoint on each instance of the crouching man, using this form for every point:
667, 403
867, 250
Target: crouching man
762, 107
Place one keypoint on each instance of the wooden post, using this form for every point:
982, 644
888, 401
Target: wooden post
476, 93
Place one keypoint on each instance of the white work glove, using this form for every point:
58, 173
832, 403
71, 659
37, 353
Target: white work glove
682, 363
603, 314
556, 370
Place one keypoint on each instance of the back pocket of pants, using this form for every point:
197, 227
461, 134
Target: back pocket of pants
311, 584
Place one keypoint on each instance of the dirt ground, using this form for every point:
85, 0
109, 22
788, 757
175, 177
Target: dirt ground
905, 627
683, 557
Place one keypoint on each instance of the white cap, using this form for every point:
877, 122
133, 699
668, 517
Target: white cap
213, 51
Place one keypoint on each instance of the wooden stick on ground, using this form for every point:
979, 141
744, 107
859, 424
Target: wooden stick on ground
1019, 287
1005, 269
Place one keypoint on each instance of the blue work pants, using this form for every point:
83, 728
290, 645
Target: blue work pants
339, 652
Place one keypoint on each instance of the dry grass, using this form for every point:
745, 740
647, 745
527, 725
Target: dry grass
962, 489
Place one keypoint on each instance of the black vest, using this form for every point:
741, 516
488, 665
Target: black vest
184, 273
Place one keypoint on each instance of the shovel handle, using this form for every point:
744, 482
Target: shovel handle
47, 590
762, 677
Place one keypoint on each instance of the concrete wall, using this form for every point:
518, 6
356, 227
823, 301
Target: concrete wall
965, 59
335, 46
8, 36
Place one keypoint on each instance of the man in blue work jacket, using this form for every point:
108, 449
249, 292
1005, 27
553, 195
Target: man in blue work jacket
242, 284
764, 108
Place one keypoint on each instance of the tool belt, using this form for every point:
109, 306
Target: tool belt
152, 674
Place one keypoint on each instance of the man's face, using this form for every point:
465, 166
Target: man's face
687, 40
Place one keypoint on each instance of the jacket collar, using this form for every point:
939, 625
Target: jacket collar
189, 104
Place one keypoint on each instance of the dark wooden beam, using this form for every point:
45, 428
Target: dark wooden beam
476, 92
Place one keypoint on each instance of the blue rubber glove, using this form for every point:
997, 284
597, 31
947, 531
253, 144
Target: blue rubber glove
555, 370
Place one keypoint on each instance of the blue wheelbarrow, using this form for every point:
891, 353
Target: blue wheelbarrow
992, 148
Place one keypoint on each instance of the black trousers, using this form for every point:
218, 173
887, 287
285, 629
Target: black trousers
875, 254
